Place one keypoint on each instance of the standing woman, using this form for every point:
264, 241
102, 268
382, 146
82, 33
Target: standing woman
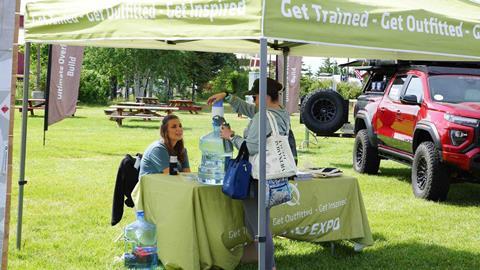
156, 158
251, 137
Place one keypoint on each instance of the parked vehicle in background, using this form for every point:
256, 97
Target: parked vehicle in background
423, 114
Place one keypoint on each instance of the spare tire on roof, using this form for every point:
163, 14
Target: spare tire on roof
324, 111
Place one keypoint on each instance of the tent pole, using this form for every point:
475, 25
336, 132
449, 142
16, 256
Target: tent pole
21, 179
285, 79
262, 222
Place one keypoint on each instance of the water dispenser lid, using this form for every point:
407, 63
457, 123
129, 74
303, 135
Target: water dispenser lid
218, 103
217, 108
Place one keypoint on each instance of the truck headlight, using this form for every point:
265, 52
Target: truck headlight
465, 121
458, 136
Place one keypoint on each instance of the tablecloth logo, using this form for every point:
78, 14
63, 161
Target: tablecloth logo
318, 228
295, 195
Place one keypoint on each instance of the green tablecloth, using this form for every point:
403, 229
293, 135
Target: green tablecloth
199, 227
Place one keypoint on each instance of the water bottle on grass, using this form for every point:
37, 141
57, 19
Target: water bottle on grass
141, 244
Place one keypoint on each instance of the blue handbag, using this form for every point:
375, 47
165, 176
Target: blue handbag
236, 183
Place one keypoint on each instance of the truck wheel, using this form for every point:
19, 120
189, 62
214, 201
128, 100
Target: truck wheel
429, 179
365, 155
322, 111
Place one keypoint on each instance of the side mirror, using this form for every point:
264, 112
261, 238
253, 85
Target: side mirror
410, 100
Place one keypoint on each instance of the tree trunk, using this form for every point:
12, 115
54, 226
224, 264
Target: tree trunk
193, 91
113, 87
150, 89
136, 85
39, 67
169, 93
145, 88
127, 86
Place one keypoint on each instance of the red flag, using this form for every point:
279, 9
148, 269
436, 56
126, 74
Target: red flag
66, 65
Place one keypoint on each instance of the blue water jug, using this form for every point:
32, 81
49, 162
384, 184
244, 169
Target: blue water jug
141, 244
216, 152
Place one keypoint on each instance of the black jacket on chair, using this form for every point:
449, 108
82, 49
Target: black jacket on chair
127, 178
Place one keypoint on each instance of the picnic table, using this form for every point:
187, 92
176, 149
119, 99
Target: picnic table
33, 104
148, 100
135, 110
185, 105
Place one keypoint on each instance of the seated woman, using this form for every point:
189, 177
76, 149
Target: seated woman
156, 158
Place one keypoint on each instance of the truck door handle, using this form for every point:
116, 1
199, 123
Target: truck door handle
383, 109
398, 115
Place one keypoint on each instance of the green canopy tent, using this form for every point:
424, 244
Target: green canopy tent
408, 30
429, 29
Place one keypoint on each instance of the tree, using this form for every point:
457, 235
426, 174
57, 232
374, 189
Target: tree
206, 66
328, 66
157, 72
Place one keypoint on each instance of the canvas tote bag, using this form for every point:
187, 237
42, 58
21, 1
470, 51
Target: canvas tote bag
280, 162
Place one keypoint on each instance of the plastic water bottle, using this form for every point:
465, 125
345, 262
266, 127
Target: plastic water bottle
141, 244
216, 152
173, 165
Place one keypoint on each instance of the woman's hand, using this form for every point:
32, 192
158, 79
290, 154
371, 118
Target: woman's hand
216, 98
226, 132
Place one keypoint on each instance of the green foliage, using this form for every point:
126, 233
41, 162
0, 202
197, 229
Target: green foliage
34, 48
328, 66
232, 81
18, 90
180, 71
349, 90
310, 84
94, 87
139, 69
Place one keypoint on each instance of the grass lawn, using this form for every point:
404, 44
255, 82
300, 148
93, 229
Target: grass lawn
68, 201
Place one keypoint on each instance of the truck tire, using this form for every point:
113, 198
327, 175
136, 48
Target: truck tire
365, 155
429, 179
322, 111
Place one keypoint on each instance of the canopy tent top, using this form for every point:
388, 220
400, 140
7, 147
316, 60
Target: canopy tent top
409, 30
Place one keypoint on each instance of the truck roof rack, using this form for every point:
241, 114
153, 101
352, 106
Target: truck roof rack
377, 62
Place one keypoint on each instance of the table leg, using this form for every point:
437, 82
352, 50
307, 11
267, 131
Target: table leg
119, 120
30, 105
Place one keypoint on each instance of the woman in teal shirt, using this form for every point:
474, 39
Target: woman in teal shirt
156, 159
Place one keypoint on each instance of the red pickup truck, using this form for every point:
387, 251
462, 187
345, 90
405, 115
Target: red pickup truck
424, 114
